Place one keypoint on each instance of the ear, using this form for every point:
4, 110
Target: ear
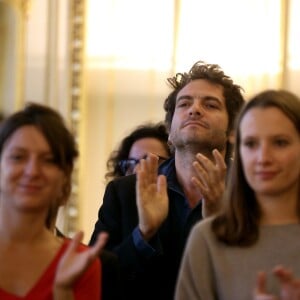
231, 136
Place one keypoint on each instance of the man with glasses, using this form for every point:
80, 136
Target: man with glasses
148, 233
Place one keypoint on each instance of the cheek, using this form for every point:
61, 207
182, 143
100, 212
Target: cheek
174, 121
291, 162
222, 121
246, 161
173, 127
8, 174
58, 182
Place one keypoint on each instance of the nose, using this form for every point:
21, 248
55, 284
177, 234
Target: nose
196, 108
32, 167
264, 154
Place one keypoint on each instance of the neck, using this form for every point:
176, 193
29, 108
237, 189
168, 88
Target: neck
279, 209
191, 150
184, 172
21, 227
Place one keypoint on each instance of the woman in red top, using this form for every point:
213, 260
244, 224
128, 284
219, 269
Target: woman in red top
37, 155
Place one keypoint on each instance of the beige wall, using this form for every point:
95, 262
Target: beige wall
114, 102
111, 107
109, 117
10, 57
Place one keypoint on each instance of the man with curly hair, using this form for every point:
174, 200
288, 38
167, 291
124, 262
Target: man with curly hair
147, 234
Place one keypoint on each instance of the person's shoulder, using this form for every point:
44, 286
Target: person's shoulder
123, 181
204, 225
81, 247
122, 188
202, 232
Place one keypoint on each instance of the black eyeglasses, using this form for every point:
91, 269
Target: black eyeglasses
128, 165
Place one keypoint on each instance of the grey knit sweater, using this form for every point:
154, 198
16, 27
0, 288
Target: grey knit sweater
211, 270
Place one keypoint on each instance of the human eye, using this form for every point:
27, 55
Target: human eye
280, 142
212, 104
16, 157
249, 143
182, 103
49, 159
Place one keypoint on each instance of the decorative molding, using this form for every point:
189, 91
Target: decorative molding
17, 55
25, 6
22, 5
76, 44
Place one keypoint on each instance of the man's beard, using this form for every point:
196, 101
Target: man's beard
195, 142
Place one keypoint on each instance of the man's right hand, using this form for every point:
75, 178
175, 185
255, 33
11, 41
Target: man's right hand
152, 197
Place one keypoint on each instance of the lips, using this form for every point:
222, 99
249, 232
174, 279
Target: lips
266, 174
30, 188
196, 123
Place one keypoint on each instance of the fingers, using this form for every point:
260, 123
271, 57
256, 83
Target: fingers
148, 167
208, 170
283, 274
290, 285
202, 176
210, 176
208, 165
75, 242
162, 185
261, 283
100, 244
260, 292
94, 250
219, 159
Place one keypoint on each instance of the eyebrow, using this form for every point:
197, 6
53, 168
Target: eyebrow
184, 97
189, 97
24, 149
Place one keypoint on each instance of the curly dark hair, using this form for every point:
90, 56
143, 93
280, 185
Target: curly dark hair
148, 130
213, 73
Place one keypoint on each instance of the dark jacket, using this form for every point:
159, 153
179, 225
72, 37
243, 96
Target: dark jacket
146, 275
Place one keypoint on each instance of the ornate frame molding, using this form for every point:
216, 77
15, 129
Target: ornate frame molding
21, 7
76, 44
75, 29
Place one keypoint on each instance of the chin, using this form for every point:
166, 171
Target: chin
269, 191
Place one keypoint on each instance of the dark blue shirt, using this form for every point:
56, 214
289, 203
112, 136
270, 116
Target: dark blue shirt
180, 211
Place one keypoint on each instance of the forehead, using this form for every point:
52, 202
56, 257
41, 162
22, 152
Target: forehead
266, 121
28, 137
145, 145
201, 88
